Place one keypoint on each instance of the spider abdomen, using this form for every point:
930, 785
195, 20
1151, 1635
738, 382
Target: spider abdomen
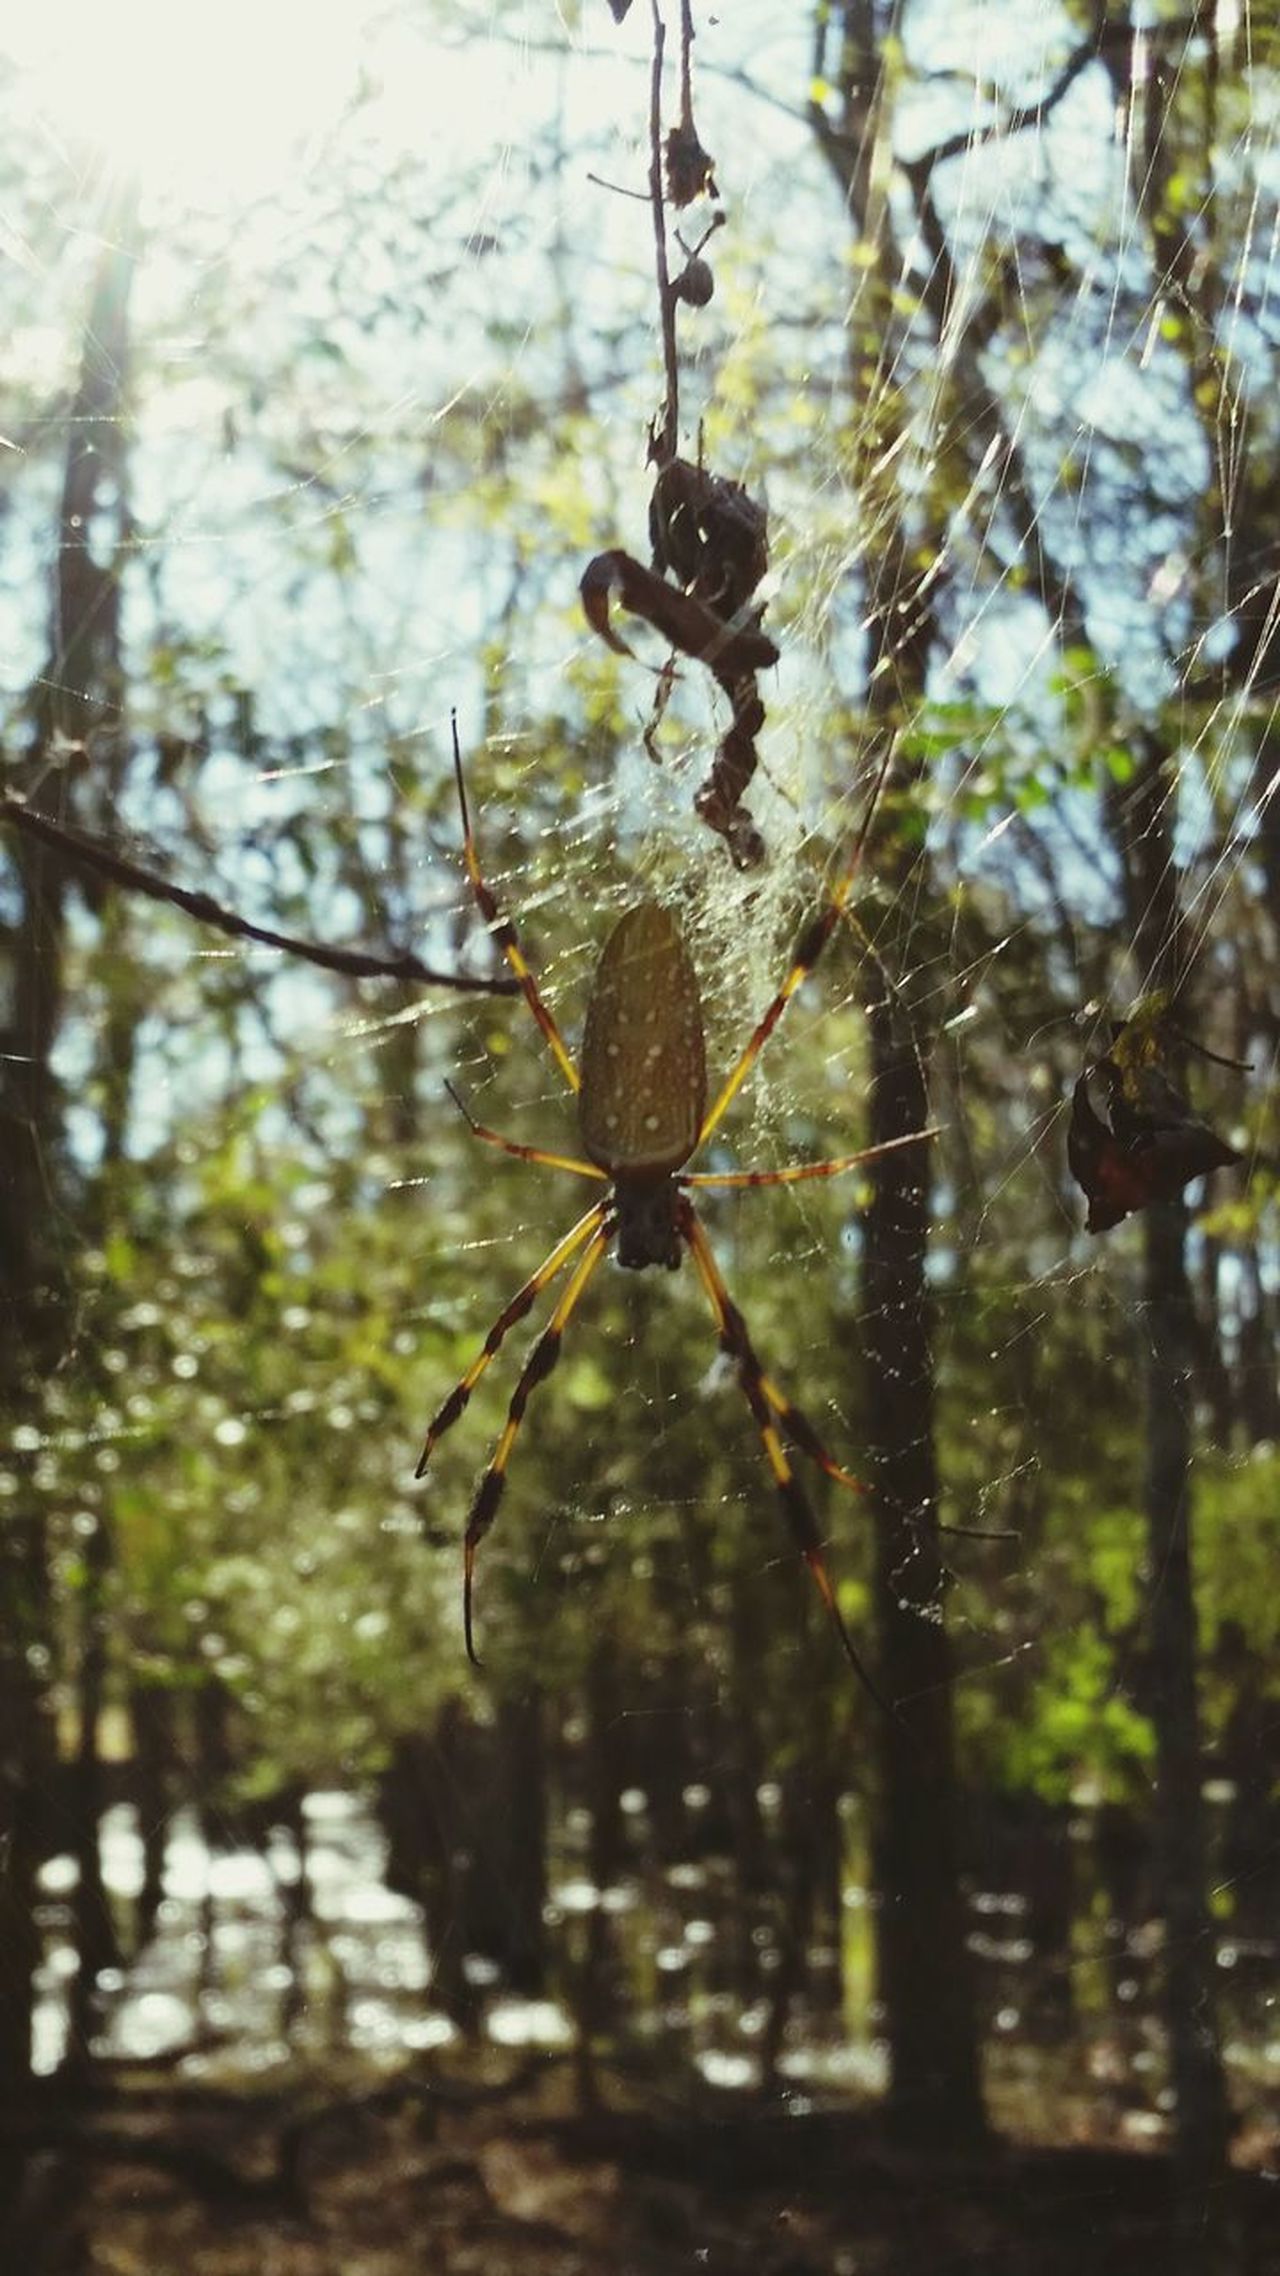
643, 1058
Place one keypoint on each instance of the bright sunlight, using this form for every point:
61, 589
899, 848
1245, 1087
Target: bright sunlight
209, 105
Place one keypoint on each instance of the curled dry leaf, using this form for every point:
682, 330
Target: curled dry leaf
708, 534
732, 652
712, 537
710, 550
1146, 1146
682, 619
719, 800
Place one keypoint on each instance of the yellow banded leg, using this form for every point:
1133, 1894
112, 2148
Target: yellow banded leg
797, 1173
537, 1367
802, 1434
515, 1311
522, 1152
736, 1341
504, 932
809, 948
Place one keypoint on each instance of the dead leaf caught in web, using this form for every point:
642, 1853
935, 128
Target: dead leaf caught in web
690, 168
682, 619
1147, 1144
708, 534
710, 550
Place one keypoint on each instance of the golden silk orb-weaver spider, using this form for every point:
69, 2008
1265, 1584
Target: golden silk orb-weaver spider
642, 1115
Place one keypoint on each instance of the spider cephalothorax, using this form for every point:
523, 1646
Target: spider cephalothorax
641, 1090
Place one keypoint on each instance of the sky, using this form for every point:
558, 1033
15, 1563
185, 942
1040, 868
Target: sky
203, 104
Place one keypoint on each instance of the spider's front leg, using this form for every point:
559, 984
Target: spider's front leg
809, 948
537, 1367
507, 1319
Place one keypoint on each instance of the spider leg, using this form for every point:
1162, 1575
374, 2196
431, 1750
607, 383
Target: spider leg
809, 948
515, 1311
798, 1171
529, 1153
537, 1367
802, 1434
796, 1424
504, 932
736, 1341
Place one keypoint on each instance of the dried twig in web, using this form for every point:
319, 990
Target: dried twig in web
708, 535
664, 441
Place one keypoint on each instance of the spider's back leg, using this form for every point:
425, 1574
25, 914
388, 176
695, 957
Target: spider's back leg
763, 1401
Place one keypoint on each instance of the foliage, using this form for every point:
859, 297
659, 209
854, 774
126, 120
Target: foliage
364, 483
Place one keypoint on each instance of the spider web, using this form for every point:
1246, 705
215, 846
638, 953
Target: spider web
375, 428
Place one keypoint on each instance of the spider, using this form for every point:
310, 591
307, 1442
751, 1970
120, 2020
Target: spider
641, 1092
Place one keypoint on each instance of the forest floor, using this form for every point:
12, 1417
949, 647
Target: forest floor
334, 2175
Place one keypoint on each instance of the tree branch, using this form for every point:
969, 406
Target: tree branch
356, 963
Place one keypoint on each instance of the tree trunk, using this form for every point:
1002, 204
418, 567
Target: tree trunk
25, 1752
744, 1774
465, 1813
95, 1937
519, 1859
923, 1965
71, 702
422, 1810
154, 1758
924, 1976
1195, 2062
1258, 1395
296, 1918
1143, 824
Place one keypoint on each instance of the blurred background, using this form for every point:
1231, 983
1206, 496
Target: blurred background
330, 355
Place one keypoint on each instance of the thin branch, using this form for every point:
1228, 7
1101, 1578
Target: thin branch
619, 189
1026, 115
686, 65
356, 963
666, 299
